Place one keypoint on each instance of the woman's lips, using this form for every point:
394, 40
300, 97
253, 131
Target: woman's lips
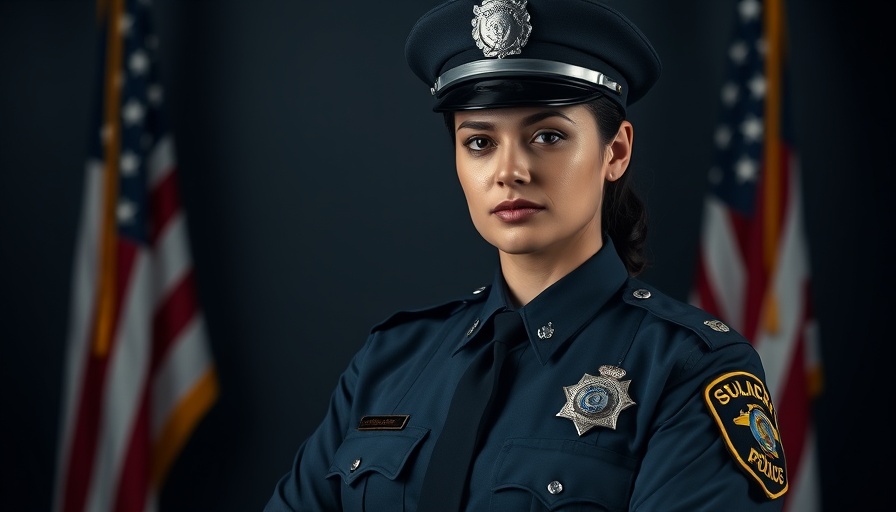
517, 210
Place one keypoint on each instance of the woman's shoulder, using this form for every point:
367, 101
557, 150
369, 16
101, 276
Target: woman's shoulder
665, 308
439, 311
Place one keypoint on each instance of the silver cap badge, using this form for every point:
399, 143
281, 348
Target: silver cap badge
597, 401
501, 27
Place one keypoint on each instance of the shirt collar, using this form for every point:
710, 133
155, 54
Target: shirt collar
561, 310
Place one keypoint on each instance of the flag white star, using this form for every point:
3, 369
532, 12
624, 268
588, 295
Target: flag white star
125, 23
738, 52
129, 163
126, 211
132, 112
139, 63
730, 94
746, 169
722, 136
749, 10
757, 86
751, 129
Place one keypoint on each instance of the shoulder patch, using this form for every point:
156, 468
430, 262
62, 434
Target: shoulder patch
742, 407
445, 309
711, 330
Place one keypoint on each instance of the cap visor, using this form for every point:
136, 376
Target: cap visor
498, 93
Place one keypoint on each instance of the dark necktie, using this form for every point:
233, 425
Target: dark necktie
444, 485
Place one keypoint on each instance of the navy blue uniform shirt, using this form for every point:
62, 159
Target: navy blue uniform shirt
700, 436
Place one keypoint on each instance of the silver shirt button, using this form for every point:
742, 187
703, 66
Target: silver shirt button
555, 487
355, 464
641, 293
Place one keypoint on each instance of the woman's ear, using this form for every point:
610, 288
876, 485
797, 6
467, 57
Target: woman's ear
619, 151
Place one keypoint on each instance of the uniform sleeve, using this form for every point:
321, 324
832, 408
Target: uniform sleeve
688, 465
306, 486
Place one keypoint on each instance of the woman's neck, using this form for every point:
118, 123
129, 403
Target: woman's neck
527, 275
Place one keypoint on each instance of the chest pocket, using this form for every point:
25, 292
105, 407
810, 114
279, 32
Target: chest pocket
369, 464
561, 475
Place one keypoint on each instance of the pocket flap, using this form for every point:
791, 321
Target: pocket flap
382, 451
560, 472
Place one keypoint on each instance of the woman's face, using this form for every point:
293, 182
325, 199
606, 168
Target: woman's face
534, 177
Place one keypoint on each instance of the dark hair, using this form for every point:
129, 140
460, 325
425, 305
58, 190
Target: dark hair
623, 214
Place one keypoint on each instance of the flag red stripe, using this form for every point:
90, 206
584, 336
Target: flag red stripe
172, 316
89, 413
750, 238
86, 429
754, 249
794, 402
749, 253
133, 483
164, 203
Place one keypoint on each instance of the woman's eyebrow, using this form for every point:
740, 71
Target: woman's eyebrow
476, 125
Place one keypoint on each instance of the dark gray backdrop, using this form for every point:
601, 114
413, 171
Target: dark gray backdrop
321, 196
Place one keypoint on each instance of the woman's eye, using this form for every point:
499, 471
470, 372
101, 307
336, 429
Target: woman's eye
478, 143
548, 138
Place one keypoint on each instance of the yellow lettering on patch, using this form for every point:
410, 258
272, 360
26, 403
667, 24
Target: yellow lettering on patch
765, 466
721, 396
742, 407
739, 388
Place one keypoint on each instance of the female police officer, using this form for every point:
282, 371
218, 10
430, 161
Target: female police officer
567, 384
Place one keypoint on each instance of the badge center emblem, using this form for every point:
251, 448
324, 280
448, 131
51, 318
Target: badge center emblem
592, 400
501, 27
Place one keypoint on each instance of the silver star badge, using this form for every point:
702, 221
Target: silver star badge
597, 401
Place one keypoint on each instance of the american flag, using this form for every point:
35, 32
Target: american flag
753, 265
139, 372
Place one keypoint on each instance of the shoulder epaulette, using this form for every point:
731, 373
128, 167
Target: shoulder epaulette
711, 330
444, 309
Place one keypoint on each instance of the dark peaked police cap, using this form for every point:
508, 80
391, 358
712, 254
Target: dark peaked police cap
502, 53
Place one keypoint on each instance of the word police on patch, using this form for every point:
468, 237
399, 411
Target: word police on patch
743, 409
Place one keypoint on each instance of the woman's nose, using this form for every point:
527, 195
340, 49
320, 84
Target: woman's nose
512, 166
